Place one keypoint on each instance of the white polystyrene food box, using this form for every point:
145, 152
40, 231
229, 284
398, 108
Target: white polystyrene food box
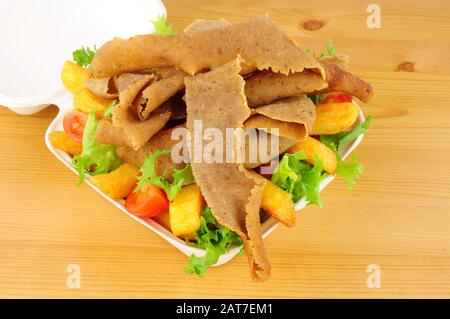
51, 91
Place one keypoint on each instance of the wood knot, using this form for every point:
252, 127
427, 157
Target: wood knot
406, 67
313, 25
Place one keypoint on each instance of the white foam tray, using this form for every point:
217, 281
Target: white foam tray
267, 227
39, 36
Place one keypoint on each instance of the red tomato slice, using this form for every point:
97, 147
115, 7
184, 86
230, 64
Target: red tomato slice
336, 97
74, 123
148, 202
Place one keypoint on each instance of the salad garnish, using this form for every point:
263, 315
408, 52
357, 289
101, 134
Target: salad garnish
107, 112
331, 51
300, 178
95, 158
181, 177
215, 239
352, 170
84, 56
163, 28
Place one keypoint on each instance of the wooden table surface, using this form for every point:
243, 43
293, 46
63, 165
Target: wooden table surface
398, 216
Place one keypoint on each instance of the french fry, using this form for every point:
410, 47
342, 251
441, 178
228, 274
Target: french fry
74, 76
334, 118
118, 183
278, 204
86, 101
63, 142
310, 146
185, 211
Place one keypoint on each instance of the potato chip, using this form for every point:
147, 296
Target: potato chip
61, 141
118, 183
332, 118
278, 204
86, 101
185, 211
312, 147
74, 76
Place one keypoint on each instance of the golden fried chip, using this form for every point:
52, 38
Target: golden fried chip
118, 183
186, 210
61, 141
312, 147
74, 76
278, 204
86, 101
333, 118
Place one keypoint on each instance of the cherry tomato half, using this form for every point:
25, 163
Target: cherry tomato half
74, 123
148, 202
336, 97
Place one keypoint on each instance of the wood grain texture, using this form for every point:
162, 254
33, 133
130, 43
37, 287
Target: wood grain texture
398, 215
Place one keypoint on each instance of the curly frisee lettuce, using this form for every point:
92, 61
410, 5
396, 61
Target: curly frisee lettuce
299, 178
215, 239
162, 28
181, 177
95, 158
84, 56
348, 171
331, 51
108, 110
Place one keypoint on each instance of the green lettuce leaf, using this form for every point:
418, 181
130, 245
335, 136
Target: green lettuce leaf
352, 170
331, 51
84, 56
162, 28
95, 158
107, 112
337, 141
181, 177
316, 98
299, 178
215, 239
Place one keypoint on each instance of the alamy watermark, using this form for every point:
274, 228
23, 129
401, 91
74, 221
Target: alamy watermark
374, 19
237, 145
374, 279
73, 281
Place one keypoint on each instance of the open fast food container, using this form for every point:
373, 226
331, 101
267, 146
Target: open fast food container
41, 35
